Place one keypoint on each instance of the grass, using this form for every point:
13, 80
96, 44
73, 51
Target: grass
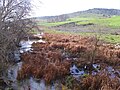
111, 38
57, 32
113, 22
53, 24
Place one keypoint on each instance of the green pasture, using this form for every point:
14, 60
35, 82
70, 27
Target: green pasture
113, 22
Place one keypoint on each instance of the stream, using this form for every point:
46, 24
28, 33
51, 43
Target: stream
30, 83
34, 84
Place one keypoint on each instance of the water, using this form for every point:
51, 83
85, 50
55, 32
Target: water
12, 71
27, 45
27, 84
33, 84
81, 72
112, 72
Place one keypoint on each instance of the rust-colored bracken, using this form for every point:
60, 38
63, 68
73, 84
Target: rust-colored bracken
52, 60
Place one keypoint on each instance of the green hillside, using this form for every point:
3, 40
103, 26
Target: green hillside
90, 22
113, 22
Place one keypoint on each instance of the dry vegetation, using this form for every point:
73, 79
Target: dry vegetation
52, 60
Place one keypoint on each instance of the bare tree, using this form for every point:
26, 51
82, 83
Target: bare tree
13, 25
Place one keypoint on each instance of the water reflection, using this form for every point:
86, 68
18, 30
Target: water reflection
26, 84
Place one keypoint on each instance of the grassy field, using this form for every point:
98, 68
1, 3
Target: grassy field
53, 24
113, 22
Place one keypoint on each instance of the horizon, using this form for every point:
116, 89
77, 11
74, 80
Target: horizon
74, 12
53, 8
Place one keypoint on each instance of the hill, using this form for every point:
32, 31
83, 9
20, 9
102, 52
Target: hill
99, 12
102, 11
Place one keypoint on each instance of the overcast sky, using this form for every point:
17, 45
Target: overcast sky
57, 7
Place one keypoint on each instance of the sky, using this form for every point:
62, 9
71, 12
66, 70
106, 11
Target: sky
57, 7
